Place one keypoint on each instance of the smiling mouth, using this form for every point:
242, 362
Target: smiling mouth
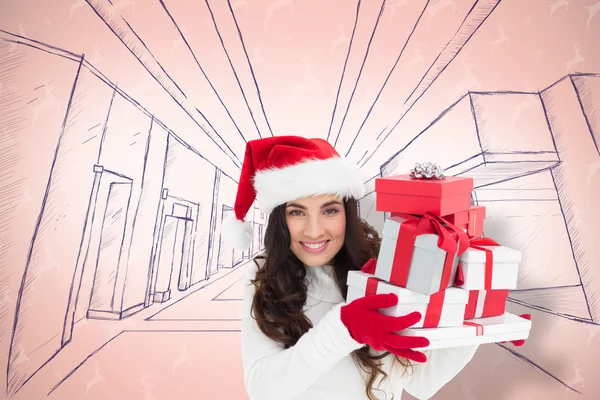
314, 247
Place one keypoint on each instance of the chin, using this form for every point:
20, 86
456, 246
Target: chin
315, 261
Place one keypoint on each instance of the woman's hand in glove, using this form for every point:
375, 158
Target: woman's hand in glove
367, 325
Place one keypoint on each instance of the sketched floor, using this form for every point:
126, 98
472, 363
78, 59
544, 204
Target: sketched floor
158, 352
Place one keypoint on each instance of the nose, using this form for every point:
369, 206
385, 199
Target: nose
314, 227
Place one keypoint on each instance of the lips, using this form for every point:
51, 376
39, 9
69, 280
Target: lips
314, 247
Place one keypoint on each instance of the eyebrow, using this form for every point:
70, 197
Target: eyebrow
329, 203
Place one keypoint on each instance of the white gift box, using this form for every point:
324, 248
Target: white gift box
501, 328
453, 308
505, 268
426, 265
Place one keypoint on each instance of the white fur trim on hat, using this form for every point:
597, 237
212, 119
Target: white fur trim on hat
237, 233
311, 178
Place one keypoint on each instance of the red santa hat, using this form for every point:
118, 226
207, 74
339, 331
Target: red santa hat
285, 168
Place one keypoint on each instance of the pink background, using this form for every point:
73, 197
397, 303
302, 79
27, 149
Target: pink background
122, 130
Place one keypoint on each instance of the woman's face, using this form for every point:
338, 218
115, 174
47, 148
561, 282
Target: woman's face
317, 226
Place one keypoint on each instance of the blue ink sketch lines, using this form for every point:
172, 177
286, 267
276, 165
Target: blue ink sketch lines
527, 152
143, 235
119, 202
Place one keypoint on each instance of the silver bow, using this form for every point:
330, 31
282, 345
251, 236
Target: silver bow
427, 170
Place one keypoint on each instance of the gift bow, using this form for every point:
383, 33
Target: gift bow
427, 170
455, 244
369, 267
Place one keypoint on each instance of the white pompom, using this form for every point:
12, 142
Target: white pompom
236, 233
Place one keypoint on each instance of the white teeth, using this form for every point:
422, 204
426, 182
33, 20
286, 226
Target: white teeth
314, 245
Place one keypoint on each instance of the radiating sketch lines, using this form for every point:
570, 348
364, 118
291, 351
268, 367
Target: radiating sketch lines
145, 46
470, 25
237, 27
536, 367
497, 167
233, 70
17, 39
387, 78
384, 165
204, 73
227, 150
360, 71
549, 311
343, 74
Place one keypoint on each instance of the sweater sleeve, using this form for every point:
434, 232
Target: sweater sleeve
424, 380
272, 372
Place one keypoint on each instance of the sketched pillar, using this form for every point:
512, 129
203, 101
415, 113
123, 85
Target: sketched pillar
114, 195
213, 244
568, 117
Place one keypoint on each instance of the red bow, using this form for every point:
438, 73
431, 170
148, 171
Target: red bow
449, 238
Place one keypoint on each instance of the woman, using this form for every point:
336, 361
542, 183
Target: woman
300, 339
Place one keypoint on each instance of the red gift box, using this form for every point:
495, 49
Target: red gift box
486, 303
404, 194
471, 220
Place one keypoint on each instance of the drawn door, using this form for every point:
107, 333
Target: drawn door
110, 248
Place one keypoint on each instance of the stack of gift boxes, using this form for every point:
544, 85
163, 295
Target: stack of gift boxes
434, 257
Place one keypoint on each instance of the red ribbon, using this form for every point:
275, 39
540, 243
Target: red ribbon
493, 304
471, 226
433, 312
471, 307
451, 239
489, 257
371, 288
478, 327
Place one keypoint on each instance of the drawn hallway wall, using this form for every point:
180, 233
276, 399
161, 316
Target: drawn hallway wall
116, 229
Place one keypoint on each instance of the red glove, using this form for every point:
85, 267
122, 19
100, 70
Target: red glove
367, 325
520, 342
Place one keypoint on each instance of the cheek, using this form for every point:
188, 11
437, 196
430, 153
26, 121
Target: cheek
337, 227
295, 228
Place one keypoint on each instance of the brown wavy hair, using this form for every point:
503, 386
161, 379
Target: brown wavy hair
281, 290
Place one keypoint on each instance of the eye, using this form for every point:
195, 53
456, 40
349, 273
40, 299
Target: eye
295, 213
331, 211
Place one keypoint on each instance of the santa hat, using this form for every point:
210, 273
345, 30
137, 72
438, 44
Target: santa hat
284, 168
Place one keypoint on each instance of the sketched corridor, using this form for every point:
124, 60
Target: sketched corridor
146, 238
120, 151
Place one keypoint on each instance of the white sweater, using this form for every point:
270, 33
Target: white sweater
319, 366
